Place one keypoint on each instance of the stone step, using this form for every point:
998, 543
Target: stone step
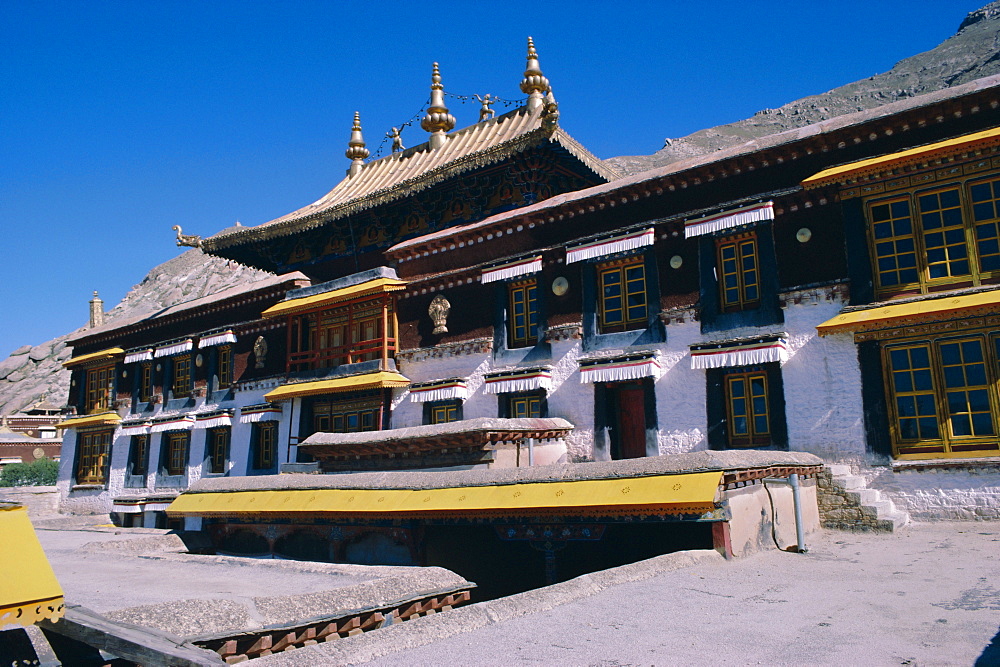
839, 469
893, 521
865, 496
849, 482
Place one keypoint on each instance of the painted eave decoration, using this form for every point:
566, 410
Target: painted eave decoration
741, 351
923, 310
110, 354
610, 246
30, 591
912, 156
619, 368
260, 412
520, 267
439, 390
378, 380
306, 303
103, 419
520, 379
745, 215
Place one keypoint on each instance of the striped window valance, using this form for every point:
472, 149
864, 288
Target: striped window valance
610, 246
260, 412
741, 352
217, 338
214, 419
134, 427
439, 390
620, 368
522, 379
520, 267
729, 219
135, 356
175, 347
174, 423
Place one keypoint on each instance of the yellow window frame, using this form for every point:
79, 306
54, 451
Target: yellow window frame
748, 419
225, 366
175, 459
522, 303
444, 413
621, 289
219, 439
182, 384
100, 387
738, 265
265, 445
93, 457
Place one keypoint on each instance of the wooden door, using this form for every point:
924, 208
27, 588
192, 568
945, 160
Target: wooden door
632, 421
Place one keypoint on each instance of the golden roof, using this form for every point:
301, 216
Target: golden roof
921, 310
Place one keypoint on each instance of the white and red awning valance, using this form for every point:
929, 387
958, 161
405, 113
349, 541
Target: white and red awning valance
217, 338
140, 504
620, 368
520, 267
439, 390
174, 423
134, 428
610, 246
135, 356
214, 419
734, 218
260, 412
522, 379
741, 352
175, 347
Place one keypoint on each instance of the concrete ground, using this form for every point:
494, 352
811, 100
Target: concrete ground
927, 595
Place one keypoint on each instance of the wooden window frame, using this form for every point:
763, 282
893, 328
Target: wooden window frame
754, 437
176, 447
947, 444
528, 400
182, 382
349, 415
607, 321
218, 449
522, 329
138, 455
265, 446
444, 412
969, 237
333, 336
100, 384
146, 382
224, 360
93, 456
747, 293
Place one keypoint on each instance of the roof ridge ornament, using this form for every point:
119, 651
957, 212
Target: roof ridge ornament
356, 151
534, 84
437, 121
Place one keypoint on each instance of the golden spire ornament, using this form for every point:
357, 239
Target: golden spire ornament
356, 151
437, 121
534, 84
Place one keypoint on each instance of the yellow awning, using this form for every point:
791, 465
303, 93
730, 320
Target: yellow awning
29, 592
925, 310
377, 380
369, 288
919, 154
91, 420
660, 493
103, 355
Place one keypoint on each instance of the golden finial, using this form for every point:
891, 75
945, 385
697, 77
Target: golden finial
534, 84
437, 121
356, 151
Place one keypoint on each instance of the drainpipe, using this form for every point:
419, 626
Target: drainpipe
793, 481
531, 452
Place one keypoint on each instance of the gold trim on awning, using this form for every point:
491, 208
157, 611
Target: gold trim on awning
30, 592
691, 492
912, 155
103, 355
911, 312
367, 288
106, 418
379, 380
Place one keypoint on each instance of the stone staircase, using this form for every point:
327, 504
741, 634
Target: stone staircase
846, 503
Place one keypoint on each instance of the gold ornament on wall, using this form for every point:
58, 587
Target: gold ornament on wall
260, 352
438, 310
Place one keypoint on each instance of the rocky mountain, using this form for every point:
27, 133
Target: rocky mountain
972, 53
32, 372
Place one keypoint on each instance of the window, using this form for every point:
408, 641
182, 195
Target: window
145, 382
182, 376
92, 458
354, 332
175, 452
218, 449
265, 445
362, 413
739, 273
138, 454
942, 395
946, 236
100, 386
442, 412
622, 295
747, 415
522, 313
521, 406
225, 370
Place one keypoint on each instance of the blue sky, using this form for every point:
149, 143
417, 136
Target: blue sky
121, 119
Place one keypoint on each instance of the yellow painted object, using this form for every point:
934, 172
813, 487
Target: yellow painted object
912, 155
103, 355
368, 288
104, 419
593, 497
924, 310
378, 380
29, 591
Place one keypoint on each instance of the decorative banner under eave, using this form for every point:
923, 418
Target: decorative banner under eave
521, 267
178, 423
221, 338
611, 246
617, 369
734, 218
174, 348
136, 356
141, 504
742, 352
528, 379
261, 412
439, 390
214, 419
134, 428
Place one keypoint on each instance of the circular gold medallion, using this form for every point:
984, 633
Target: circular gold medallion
560, 286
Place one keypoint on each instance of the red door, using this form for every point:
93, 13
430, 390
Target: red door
632, 421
